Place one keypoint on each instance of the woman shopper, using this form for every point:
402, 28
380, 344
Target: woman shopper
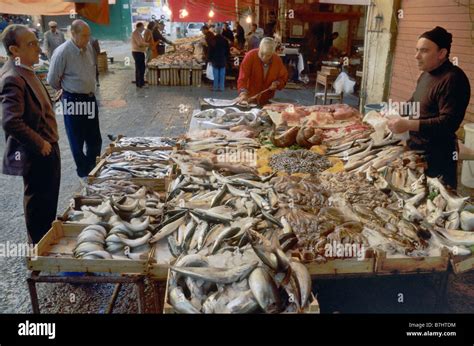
218, 55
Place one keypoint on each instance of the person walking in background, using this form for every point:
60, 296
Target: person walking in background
73, 70
219, 53
240, 35
96, 49
53, 38
228, 34
139, 47
31, 131
255, 38
148, 38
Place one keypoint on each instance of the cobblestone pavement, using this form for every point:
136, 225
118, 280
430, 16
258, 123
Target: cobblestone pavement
155, 112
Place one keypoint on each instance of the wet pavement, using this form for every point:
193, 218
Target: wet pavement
166, 111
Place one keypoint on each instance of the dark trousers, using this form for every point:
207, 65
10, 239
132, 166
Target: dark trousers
443, 164
82, 127
140, 66
41, 190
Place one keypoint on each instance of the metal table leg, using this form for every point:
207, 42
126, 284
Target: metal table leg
33, 293
113, 299
141, 295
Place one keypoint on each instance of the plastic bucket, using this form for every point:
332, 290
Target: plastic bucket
373, 107
467, 176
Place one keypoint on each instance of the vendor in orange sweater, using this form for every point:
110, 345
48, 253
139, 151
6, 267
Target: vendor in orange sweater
261, 69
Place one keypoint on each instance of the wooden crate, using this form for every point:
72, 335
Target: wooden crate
185, 76
153, 76
462, 264
165, 76
313, 307
196, 77
339, 266
158, 184
114, 149
55, 254
329, 71
387, 265
102, 63
174, 76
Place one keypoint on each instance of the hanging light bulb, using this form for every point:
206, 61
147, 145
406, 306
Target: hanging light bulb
211, 13
249, 16
167, 10
183, 13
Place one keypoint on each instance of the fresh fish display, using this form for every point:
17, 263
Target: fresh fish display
299, 161
135, 164
145, 142
235, 280
229, 159
226, 118
317, 115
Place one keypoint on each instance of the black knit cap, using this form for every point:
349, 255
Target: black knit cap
439, 36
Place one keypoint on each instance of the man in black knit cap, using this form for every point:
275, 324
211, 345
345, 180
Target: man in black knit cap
443, 92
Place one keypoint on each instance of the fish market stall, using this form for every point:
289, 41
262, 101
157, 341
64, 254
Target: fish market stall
256, 204
180, 66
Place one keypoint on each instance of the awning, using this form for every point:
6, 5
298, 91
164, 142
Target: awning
36, 7
198, 10
96, 11
346, 2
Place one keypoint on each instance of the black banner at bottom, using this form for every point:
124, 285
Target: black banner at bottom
243, 329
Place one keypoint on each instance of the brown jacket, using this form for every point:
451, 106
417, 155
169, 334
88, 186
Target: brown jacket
23, 118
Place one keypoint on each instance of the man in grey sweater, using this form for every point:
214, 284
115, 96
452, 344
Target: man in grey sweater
53, 38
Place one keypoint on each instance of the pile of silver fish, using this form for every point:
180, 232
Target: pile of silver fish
299, 161
145, 142
125, 225
142, 203
150, 164
106, 188
228, 117
256, 278
218, 143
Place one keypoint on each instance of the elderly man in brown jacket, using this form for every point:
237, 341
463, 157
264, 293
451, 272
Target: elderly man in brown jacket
31, 131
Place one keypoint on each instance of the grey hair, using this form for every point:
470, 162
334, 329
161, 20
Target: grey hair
9, 36
218, 30
78, 25
267, 44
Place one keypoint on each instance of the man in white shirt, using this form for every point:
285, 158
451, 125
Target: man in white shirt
139, 47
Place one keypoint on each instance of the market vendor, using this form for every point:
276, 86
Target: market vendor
159, 39
443, 92
260, 70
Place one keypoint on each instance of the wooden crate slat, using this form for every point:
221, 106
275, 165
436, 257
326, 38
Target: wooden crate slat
387, 265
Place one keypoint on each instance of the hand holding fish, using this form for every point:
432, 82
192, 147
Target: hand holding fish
398, 125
